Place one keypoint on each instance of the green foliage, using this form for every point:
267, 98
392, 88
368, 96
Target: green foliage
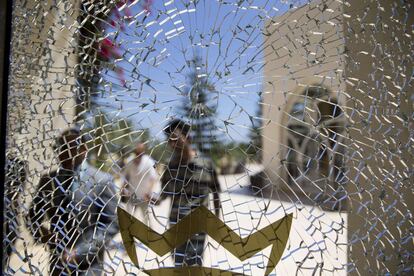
113, 139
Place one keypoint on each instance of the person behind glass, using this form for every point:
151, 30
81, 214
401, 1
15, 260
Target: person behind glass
15, 178
140, 178
188, 180
79, 204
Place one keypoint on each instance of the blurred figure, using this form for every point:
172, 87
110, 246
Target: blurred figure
140, 179
189, 179
79, 203
14, 183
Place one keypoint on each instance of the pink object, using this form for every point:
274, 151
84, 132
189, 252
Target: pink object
147, 6
108, 50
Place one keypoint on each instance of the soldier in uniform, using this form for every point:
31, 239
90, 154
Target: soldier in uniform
188, 180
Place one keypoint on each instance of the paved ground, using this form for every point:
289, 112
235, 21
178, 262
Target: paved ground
317, 242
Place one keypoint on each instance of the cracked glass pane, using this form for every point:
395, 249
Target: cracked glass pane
206, 137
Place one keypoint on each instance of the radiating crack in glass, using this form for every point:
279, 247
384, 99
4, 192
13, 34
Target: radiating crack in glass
292, 107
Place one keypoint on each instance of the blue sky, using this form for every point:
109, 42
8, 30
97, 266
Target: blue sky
156, 50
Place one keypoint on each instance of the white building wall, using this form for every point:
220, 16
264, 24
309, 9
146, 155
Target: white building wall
41, 99
366, 63
42, 78
303, 47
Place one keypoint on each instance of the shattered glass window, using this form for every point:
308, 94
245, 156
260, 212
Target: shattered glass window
208, 137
